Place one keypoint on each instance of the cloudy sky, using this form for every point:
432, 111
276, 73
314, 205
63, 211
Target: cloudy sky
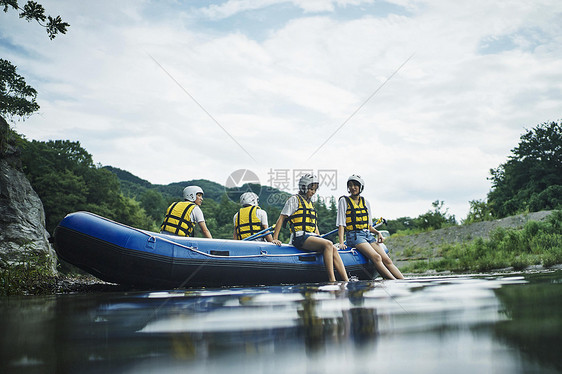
420, 98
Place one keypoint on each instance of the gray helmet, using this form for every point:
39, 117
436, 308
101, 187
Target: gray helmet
358, 179
305, 182
190, 192
249, 198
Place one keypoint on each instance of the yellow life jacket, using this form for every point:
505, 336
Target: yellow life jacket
247, 222
178, 219
304, 218
356, 215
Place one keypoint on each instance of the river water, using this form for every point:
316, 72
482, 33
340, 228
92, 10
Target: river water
488, 323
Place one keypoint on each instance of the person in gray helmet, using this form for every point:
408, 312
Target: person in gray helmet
182, 216
354, 220
250, 219
301, 215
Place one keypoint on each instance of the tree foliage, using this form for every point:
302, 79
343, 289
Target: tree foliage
431, 220
479, 211
66, 179
436, 218
16, 97
33, 11
531, 179
64, 176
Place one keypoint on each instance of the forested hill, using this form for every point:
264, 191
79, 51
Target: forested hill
67, 180
220, 203
133, 186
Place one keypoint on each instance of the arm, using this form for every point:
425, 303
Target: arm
377, 233
197, 216
268, 237
340, 221
234, 236
204, 230
277, 230
262, 216
371, 228
341, 232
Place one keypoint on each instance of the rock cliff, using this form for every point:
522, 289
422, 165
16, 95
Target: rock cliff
23, 237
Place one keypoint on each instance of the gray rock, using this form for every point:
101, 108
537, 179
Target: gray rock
23, 237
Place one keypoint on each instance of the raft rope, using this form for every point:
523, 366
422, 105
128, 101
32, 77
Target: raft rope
262, 254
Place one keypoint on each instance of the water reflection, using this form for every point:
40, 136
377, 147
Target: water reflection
534, 320
462, 324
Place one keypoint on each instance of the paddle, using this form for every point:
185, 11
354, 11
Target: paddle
257, 234
262, 235
381, 221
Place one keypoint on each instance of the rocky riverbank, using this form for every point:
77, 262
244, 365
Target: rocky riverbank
403, 249
406, 248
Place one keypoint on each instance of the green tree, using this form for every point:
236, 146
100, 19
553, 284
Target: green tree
400, 224
479, 211
154, 204
437, 218
531, 179
16, 97
61, 193
66, 179
33, 11
326, 215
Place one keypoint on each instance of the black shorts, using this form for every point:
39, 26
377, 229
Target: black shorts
298, 241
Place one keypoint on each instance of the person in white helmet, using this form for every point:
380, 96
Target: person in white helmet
250, 219
301, 215
354, 220
182, 216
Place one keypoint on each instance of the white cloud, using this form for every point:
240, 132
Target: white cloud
481, 72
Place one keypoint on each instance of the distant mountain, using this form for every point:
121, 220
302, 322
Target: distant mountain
124, 175
135, 187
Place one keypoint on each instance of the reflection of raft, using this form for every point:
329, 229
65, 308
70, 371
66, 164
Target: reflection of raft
122, 254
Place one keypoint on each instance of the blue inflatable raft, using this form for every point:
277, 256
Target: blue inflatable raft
121, 254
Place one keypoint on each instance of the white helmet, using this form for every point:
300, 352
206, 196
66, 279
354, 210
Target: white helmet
305, 182
190, 192
358, 179
249, 198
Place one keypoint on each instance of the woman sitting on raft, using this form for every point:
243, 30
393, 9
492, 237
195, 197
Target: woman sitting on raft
301, 214
354, 219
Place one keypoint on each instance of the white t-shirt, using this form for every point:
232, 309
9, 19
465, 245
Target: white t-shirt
291, 205
342, 207
260, 213
197, 215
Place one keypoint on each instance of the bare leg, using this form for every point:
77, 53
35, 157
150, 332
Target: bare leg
340, 267
314, 243
387, 261
372, 254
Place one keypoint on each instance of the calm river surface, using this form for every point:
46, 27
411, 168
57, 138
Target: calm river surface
497, 323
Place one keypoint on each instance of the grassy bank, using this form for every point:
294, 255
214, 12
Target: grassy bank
34, 276
537, 243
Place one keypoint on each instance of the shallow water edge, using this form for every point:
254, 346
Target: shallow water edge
486, 322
